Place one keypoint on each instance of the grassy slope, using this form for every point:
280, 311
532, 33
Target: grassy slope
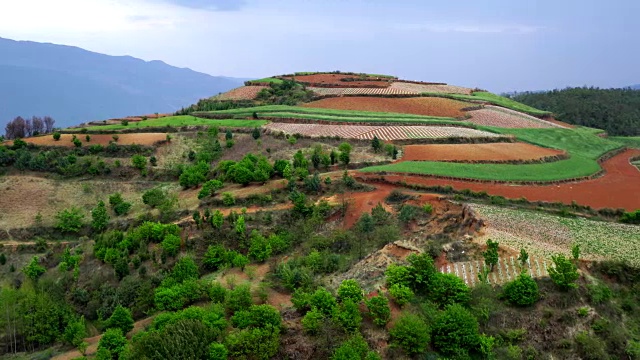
176, 121
630, 141
494, 99
581, 144
267, 80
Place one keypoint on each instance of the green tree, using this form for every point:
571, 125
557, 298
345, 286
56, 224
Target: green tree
259, 248
253, 343
139, 162
121, 318
171, 244
240, 226
447, 289
240, 261
345, 147
69, 220
217, 219
348, 315
491, 254
410, 333
255, 133
355, 348
154, 197
209, 188
228, 135
523, 291
378, 307
312, 321
376, 144
217, 351
323, 300
455, 331
240, 298
215, 258
114, 341
185, 269
34, 270
344, 158
100, 217
401, 294
564, 273
333, 156
350, 290
56, 136
75, 332
523, 258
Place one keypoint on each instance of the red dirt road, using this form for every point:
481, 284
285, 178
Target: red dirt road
618, 188
430, 106
101, 139
476, 152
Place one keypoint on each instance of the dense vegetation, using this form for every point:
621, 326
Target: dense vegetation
617, 111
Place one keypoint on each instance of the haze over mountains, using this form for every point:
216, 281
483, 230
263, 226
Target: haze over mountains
74, 85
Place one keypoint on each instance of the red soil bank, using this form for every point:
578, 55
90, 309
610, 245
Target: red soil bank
430, 106
476, 152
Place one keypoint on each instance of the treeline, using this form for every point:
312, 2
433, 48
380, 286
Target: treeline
21, 127
617, 111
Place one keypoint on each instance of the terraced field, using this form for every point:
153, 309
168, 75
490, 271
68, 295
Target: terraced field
361, 91
476, 152
505, 118
429, 106
426, 88
382, 132
241, 93
543, 234
507, 269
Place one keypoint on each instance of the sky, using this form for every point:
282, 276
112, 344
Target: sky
498, 45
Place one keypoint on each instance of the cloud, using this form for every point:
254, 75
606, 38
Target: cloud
481, 29
213, 5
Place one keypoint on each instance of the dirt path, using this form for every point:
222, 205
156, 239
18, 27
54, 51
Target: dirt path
618, 188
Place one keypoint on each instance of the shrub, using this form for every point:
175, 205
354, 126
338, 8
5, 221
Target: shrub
564, 273
228, 199
215, 257
407, 213
154, 197
259, 247
253, 343
56, 136
185, 269
239, 298
217, 351
312, 321
350, 290
355, 348
523, 291
257, 316
69, 220
378, 307
122, 208
139, 162
124, 122
121, 318
491, 254
401, 294
348, 315
34, 270
447, 289
77, 143
170, 245
455, 331
410, 333
590, 347
100, 217
209, 188
217, 293
114, 341
398, 274
322, 300
88, 138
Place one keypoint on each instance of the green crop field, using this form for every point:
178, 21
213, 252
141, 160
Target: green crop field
316, 113
177, 121
494, 99
630, 141
267, 80
582, 145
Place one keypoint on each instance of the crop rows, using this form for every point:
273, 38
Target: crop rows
382, 132
422, 88
507, 269
501, 117
360, 91
241, 93
544, 234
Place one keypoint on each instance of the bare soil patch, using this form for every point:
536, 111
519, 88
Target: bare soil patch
477, 152
100, 139
430, 106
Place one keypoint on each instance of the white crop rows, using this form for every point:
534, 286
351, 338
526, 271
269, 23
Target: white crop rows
421, 88
506, 270
382, 132
506, 118
360, 91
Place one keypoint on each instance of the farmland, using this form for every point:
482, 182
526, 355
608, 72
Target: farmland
429, 106
507, 269
241, 93
338, 91
427, 88
99, 139
500, 117
343, 80
476, 152
381, 132
544, 234
175, 121
488, 97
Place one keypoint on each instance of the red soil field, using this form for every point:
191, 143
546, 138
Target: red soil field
476, 152
101, 139
241, 93
431, 106
334, 79
618, 188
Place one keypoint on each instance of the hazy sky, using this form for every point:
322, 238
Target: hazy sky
499, 45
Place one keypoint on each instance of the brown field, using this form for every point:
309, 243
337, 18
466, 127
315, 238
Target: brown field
101, 139
476, 152
420, 88
335, 79
430, 106
241, 93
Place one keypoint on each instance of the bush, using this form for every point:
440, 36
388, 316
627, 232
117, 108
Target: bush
564, 273
114, 341
154, 197
455, 331
56, 136
259, 247
217, 351
34, 270
100, 217
312, 321
240, 298
171, 245
401, 294
350, 290
410, 333
215, 257
253, 343
590, 347
355, 348
257, 316
322, 300
122, 208
523, 291
121, 318
209, 188
348, 315
378, 307
447, 289
69, 220
228, 199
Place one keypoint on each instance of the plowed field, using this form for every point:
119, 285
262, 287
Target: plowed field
476, 152
101, 139
421, 88
241, 93
382, 132
431, 106
505, 118
618, 188
335, 79
359, 91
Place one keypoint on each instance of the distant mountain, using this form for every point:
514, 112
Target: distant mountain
635, 87
74, 85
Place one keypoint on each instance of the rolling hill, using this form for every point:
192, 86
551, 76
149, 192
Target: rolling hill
74, 85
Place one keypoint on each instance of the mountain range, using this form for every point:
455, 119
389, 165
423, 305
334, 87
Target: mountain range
74, 85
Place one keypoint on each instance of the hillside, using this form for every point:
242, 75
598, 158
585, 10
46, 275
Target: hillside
74, 85
617, 111
323, 216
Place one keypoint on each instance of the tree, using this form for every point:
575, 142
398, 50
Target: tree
56, 136
322, 300
121, 318
350, 290
217, 219
378, 307
215, 257
240, 298
376, 144
259, 247
253, 343
355, 348
312, 321
523, 258
228, 135
34, 270
240, 226
171, 244
185, 269
333, 156
217, 351
401, 294
154, 197
447, 289
455, 331
74, 334
114, 341
348, 316
69, 220
100, 217
575, 252
344, 158
410, 333
139, 162
523, 291
209, 188
564, 273
491, 254
255, 133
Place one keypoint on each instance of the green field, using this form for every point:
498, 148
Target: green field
581, 144
327, 114
177, 121
267, 80
494, 99
630, 141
